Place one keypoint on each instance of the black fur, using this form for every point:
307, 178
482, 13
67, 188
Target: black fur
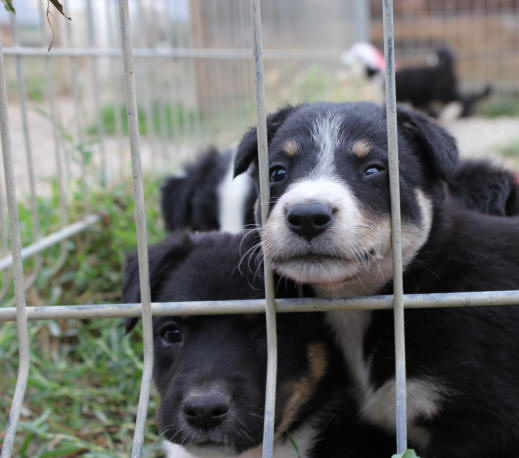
230, 352
469, 353
425, 85
191, 201
481, 186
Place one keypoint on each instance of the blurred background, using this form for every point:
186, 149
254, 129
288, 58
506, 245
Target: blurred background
194, 87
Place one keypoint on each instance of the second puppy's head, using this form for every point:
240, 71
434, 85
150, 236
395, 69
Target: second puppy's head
329, 220
210, 371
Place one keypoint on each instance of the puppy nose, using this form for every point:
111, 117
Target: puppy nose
206, 410
309, 220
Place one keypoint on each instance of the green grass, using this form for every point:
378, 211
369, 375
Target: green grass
85, 374
510, 148
500, 105
176, 119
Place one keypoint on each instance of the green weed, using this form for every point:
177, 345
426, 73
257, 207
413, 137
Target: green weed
85, 374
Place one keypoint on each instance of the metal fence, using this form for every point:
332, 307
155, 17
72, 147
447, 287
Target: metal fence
160, 139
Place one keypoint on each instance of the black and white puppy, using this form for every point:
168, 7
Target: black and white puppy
329, 227
206, 197
210, 371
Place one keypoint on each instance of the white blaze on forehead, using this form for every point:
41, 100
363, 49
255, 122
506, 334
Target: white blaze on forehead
326, 135
333, 193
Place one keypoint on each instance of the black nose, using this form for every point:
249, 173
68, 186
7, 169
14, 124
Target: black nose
309, 220
206, 409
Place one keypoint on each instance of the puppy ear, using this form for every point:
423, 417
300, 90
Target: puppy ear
175, 202
163, 258
247, 151
439, 146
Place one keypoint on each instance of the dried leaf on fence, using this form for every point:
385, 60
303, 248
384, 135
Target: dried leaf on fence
8, 5
58, 6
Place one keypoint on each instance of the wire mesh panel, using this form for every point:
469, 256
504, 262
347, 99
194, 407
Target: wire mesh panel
205, 95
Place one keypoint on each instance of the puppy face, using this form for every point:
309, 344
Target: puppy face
210, 372
329, 221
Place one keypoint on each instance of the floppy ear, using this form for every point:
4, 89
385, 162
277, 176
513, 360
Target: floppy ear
163, 259
175, 202
438, 145
247, 152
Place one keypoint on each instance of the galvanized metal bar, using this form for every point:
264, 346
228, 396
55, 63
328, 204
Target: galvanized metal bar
270, 303
56, 237
96, 95
18, 277
160, 88
53, 118
183, 53
396, 228
116, 85
140, 219
38, 262
146, 90
296, 305
73, 72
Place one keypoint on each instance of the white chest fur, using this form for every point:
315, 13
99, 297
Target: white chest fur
303, 438
378, 405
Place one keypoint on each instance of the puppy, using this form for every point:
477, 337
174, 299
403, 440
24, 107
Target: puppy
329, 227
434, 88
210, 371
206, 197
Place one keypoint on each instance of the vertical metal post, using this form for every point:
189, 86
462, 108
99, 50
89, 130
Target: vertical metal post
145, 86
270, 306
362, 20
74, 71
116, 81
54, 120
16, 248
140, 219
396, 234
28, 154
96, 89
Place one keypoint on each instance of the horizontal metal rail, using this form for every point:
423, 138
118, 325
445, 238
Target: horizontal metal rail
229, 53
411, 301
52, 239
179, 53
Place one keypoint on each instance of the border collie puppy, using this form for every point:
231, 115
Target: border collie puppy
432, 88
210, 371
206, 197
329, 227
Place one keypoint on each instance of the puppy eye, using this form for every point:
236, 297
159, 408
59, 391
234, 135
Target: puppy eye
277, 173
170, 335
372, 170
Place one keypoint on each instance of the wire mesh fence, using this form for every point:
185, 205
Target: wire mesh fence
153, 91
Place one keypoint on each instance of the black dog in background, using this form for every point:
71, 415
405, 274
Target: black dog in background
430, 88
433, 88
205, 199
210, 371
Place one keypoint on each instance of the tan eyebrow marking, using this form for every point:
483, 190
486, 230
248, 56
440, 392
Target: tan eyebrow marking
361, 148
290, 148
